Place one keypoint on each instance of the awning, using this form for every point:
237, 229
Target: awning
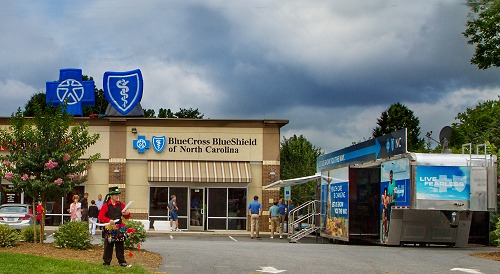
199, 171
299, 181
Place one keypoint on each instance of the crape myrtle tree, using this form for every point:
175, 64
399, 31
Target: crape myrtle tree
45, 154
396, 117
298, 159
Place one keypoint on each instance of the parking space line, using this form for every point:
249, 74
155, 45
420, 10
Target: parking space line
231, 237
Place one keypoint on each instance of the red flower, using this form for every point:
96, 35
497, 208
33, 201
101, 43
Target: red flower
130, 230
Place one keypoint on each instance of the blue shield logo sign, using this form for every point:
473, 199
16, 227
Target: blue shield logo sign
159, 143
123, 90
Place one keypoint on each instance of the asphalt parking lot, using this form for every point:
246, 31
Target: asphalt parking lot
222, 252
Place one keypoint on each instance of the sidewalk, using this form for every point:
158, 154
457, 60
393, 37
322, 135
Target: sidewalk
97, 239
50, 229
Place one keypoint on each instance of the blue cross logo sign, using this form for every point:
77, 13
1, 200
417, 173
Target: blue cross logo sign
71, 89
141, 144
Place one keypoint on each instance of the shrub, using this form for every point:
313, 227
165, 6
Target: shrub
138, 236
495, 235
27, 234
8, 236
73, 235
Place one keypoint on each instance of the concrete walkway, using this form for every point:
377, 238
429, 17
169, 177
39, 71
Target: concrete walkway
49, 231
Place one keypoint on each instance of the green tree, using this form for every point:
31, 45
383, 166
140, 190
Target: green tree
397, 117
189, 113
167, 113
149, 113
162, 113
44, 158
101, 103
37, 99
298, 159
170, 114
479, 125
483, 31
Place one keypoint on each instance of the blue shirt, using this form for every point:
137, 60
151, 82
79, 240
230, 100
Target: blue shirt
274, 211
290, 207
282, 208
254, 207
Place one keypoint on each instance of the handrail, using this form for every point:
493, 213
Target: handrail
307, 215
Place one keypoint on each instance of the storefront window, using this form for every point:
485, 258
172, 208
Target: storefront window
226, 208
237, 208
217, 200
158, 202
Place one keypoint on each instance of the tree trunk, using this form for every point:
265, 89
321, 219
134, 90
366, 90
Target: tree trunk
33, 208
42, 221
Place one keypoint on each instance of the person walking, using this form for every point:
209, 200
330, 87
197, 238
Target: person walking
282, 215
172, 210
274, 213
75, 209
93, 214
113, 210
255, 212
85, 207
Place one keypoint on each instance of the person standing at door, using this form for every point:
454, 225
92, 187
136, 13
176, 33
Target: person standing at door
255, 212
274, 213
172, 209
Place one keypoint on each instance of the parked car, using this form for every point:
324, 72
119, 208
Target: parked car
17, 216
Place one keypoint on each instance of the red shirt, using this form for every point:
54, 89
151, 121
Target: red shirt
39, 212
104, 209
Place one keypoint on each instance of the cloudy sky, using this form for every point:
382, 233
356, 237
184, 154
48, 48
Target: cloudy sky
329, 67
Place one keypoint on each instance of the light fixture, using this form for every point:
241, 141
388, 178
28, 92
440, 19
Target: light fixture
116, 171
134, 130
272, 174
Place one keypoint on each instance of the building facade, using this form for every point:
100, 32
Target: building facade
214, 167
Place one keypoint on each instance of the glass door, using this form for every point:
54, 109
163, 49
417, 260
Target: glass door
197, 209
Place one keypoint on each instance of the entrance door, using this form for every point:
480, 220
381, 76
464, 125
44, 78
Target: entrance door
197, 210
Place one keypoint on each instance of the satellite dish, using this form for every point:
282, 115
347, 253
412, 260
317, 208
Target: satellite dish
444, 138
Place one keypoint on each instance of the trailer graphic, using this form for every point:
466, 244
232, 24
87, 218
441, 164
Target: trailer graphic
377, 191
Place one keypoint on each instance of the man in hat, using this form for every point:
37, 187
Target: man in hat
111, 211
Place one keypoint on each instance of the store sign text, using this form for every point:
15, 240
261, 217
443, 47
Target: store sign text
193, 145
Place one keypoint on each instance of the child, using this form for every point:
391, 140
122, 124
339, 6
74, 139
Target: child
93, 213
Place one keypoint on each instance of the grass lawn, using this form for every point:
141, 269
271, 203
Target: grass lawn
21, 263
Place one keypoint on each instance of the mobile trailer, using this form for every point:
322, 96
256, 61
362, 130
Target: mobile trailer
384, 194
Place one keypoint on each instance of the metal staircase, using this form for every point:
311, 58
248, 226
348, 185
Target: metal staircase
303, 218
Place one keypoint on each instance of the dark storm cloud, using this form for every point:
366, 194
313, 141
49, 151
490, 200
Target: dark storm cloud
330, 67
